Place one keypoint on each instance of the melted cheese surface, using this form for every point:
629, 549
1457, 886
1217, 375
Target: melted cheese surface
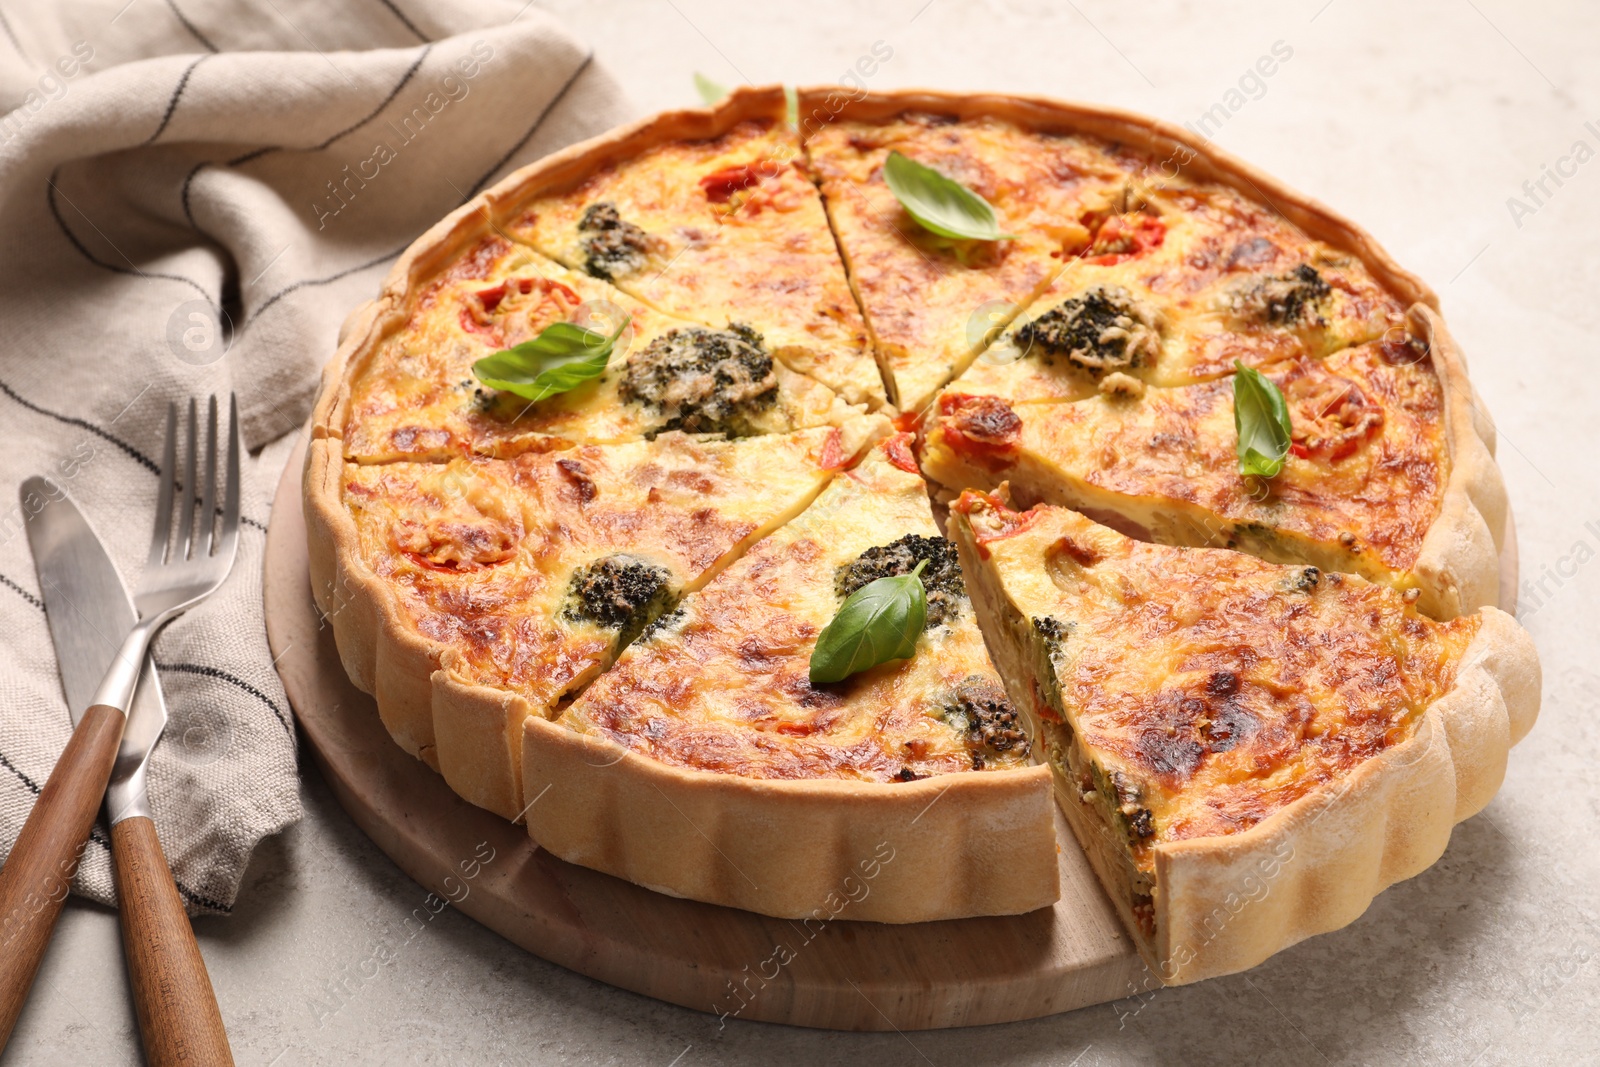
481, 553
710, 211
416, 398
1208, 688
1221, 287
1362, 486
724, 685
930, 300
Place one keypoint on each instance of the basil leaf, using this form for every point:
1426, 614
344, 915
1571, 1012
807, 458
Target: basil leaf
1261, 419
879, 622
562, 357
939, 204
709, 90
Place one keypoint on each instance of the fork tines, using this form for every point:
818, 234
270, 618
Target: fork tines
195, 533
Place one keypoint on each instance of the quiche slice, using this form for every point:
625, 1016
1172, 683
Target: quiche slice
414, 396
707, 765
1388, 476
468, 595
1248, 752
931, 302
723, 230
1230, 281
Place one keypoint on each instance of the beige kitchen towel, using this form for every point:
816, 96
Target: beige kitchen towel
193, 195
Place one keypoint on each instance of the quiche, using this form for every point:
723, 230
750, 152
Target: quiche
1386, 477
415, 397
722, 230
504, 586
1232, 739
713, 710
1257, 701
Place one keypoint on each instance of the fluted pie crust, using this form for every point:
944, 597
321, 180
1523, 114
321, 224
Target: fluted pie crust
967, 842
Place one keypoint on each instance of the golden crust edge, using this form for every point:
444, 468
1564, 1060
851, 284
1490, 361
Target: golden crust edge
382, 657
1458, 562
896, 852
1226, 904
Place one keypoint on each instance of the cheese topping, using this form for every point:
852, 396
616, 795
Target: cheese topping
721, 684
1206, 688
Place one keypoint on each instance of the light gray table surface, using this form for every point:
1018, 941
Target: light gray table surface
1423, 122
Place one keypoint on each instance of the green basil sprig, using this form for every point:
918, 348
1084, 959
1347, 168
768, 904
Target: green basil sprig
1262, 420
709, 90
562, 357
878, 622
941, 205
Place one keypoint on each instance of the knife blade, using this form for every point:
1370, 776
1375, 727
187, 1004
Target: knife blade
88, 610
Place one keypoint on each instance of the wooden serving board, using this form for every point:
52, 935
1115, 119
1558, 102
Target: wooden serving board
837, 974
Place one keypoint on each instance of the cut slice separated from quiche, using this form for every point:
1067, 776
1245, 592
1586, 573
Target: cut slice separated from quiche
1248, 752
1218, 279
932, 302
471, 594
415, 396
723, 231
1389, 473
708, 765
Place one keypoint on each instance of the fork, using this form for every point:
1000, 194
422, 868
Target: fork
190, 556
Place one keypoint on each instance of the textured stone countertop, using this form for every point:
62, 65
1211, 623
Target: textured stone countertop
1422, 121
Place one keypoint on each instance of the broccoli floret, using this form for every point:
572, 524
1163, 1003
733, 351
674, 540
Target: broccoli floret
1103, 330
989, 725
941, 577
703, 381
612, 247
1284, 299
621, 592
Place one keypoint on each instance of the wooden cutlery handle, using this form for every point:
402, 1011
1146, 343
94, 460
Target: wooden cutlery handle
38, 873
177, 1008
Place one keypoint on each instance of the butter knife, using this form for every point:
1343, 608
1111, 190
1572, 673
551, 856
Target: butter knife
88, 610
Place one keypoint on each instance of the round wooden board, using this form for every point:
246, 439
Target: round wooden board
837, 974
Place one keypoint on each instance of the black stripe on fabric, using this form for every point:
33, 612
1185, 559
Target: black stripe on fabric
188, 180
144, 460
172, 104
401, 84
576, 74
98, 836
72, 420
201, 899
5, 24
28, 783
286, 290
402, 17
231, 679
194, 30
253, 154
21, 592
256, 153
55, 210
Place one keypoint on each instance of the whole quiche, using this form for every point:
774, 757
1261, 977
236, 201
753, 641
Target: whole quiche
770, 505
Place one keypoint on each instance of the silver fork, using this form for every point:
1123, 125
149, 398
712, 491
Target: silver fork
191, 552
181, 571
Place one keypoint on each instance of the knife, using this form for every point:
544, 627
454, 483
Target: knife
88, 611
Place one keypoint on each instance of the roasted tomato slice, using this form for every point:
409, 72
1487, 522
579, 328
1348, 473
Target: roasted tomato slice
720, 185
898, 450
517, 309
982, 429
1122, 237
1330, 417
